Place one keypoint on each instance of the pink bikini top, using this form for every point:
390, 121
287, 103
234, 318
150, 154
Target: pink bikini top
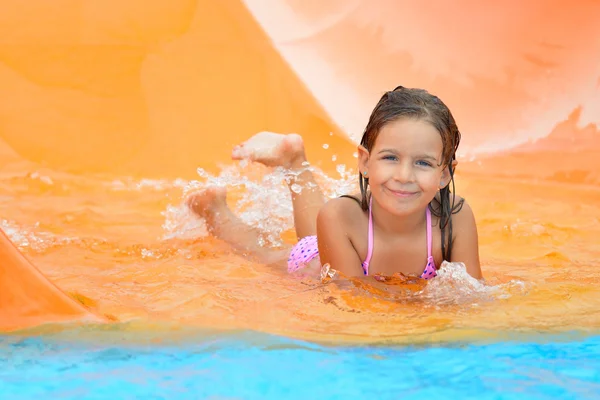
430, 269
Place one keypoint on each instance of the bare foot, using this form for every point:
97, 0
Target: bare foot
207, 202
272, 149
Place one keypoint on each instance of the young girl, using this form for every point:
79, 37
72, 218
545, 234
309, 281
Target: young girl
405, 219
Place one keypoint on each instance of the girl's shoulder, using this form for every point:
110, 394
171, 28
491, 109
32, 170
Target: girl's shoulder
344, 209
458, 209
465, 240
463, 219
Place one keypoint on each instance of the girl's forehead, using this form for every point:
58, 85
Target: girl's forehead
409, 133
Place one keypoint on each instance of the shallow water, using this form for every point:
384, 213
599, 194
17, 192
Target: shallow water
129, 250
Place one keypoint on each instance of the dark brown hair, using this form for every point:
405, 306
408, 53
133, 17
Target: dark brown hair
419, 104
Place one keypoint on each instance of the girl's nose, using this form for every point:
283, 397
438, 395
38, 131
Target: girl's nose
404, 173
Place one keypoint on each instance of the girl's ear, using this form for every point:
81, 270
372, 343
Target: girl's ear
446, 177
363, 161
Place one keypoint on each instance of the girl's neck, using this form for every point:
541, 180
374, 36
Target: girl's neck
397, 225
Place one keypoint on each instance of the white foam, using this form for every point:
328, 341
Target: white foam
454, 285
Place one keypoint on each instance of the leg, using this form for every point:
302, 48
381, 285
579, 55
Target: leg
276, 150
222, 223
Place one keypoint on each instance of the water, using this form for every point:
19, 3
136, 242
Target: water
132, 251
250, 365
134, 254
129, 250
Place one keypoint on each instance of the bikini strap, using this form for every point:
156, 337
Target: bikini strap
365, 264
370, 249
429, 236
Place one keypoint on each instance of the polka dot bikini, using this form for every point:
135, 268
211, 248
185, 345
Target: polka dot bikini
307, 249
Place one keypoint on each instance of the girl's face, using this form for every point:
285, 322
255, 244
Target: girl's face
403, 166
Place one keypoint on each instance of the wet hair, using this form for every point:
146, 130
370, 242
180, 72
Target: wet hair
421, 105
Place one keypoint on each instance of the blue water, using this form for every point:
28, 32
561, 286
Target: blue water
255, 366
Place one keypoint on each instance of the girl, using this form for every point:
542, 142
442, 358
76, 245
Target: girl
405, 219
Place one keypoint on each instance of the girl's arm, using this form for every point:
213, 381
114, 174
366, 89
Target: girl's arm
465, 248
335, 247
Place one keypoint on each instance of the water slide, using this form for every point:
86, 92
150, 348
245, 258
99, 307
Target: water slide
156, 89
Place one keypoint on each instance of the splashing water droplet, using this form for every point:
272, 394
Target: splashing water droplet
296, 188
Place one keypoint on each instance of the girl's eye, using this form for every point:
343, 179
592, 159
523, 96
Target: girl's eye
392, 158
424, 163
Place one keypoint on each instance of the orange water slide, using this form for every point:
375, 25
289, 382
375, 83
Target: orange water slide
509, 70
28, 298
136, 88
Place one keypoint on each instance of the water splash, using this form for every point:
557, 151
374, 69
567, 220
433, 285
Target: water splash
259, 196
130, 184
180, 223
454, 285
36, 175
31, 238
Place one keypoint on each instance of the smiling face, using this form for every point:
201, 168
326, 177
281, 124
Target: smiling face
403, 167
